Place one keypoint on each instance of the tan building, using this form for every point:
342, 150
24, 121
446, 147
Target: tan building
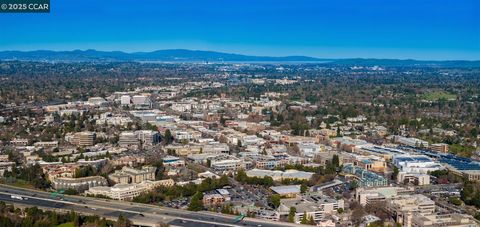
414, 178
399, 207
471, 175
79, 184
128, 161
19, 142
84, 138
183, 150
128, 191
213, 199
46, 144
445, 220
439, 147
373, 164
129, 175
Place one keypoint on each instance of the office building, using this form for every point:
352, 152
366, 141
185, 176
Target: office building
129, 140
84, 138
128, 175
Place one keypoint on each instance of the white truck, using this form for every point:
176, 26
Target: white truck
16, 197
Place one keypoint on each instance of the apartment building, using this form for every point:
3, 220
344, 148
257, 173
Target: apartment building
79, 184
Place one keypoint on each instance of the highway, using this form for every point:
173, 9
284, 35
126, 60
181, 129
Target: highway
139, 214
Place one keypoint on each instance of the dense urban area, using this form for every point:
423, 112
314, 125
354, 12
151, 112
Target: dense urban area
232, 144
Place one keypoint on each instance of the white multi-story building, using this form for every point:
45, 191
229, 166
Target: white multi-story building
251, 140
314, 206
309, 149
128, 191
148, 137
413, 142
227, 164
125, 100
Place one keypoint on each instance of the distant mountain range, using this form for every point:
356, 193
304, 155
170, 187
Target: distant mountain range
182, 55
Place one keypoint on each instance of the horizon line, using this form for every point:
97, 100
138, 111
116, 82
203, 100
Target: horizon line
243, 54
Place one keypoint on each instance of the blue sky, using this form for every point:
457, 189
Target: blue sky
419, 29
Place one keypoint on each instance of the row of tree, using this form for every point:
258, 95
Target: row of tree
33, 216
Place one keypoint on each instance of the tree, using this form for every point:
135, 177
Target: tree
455, 200
71, 191
123, 221
335, 160
159, 169
304, 218
168, 137
311, 220
275, 200
291, 214
395, 172
357, 214
303, 188
353, 185
196, 204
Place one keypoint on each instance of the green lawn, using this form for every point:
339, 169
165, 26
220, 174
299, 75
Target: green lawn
67, 224
438, 95
19, 183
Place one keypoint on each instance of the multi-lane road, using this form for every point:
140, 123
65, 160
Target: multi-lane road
139, 214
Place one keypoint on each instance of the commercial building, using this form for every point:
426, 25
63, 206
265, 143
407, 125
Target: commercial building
288, 191
278, 175
416, 163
